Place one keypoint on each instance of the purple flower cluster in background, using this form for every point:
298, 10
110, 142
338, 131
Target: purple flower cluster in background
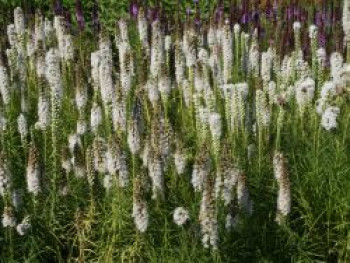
273, 20
79, 15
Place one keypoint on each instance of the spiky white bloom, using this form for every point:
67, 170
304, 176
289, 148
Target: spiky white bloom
203, 56
321, 57
313, 31
18, 18
81, 126
254, 55
22, 126
17, 198
346, 19
186, 92
164, 85
145, 154
81, 97
5, 176
263, 113
100, 160
105, 76
243, 197
95, 69
66, 164
95, 117
12, 59
39, 33
74, 140
134, 141
167, 43
204, 114
329, 118
126, 66
12, 35
328, 90
140, 215
189, 46
180, 162
23, 227
48, 28
296, 26
321, 105
266, 66
179, 65
284, 195
227, 53
283, 201
242, 89
4, 85
336, 61
107, 181
346, 71
208, 219
119, 116
305, 91
142, 27
278, 165
44, 116
68, 47
230, 180
156, 49
211, 37
53, 73
236, 29
198, 83
230, 221
215, 125
8, 220
180, 216
60, 32
123, 30
3, 122
123, 171
33, 172
153, 91
111, 159
272, 90
40, 65
199, 175
30, 48
287, 68
155, 170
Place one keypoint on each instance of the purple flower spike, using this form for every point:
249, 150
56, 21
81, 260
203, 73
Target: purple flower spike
318, 19
269, 10
275, 6
304, 16
134, 9
245, 18
79, 14
155, 15
219, 14
67, 16
58, 8
256, 17
188, 11
322, 39
95, 17
197, 21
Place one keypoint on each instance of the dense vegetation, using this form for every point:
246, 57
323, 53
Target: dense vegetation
133, 133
